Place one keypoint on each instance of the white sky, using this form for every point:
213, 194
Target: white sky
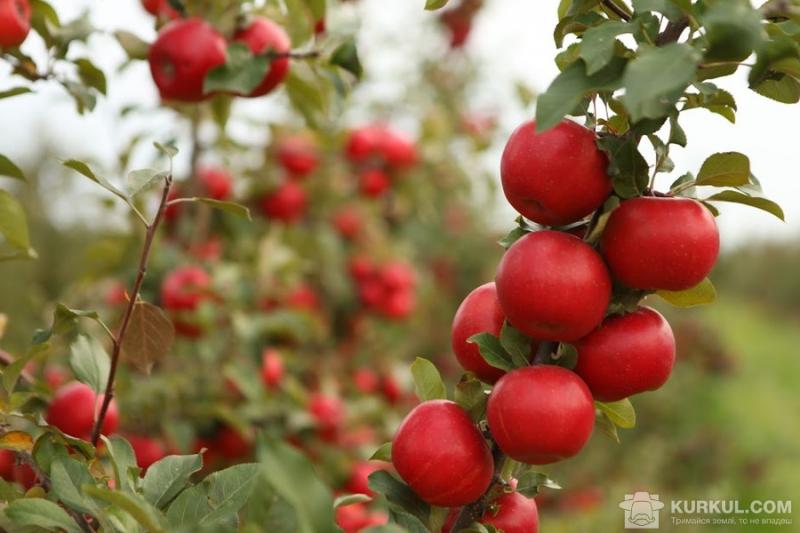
512, 41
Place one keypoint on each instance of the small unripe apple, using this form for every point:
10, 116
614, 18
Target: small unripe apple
73, 409
160, 8
147, 450
553, 286
540, 414
217, 182
655, 243
263, 36
286, 203
298, 155
441, 454
510, 513
183, 54
373, 182
556, 177
271, 368
626, 355
480, 312
15, 22
184, 288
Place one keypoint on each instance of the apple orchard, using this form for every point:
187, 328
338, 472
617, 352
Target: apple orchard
229, 348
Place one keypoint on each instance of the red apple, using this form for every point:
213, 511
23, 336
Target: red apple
73, 411
398, 305
217, 183
363, 143
25, 476
271, 368
553, 286
160, 8
391, 389
397, 150
366, 380
627, 355
263, 36
286, 203
356, 517
441, 454
540, 414
183, 54
361, 267
480, 312
231, 444
661, 243
347, 222
184, 288
298, 155
8, 462
328, 413
147, 450
304, 298
397, 276
373, 182
510, 513
358, 482
556, 177
319, 26
15, 22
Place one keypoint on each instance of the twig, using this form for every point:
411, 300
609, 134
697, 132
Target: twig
672, 32
6, 359
617, 10
134, 295
544, 351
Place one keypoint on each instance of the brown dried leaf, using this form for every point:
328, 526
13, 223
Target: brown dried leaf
149, 337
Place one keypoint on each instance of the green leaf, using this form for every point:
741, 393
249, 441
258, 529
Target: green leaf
346, 56
530, 483
16, 91
666, 7
90, 362
229, 207
516, 344
727, 169
67, 476
40, 513
399, 495
292, 477
350, 499
133, 504
621, 413
7, 167
123, 460
216, 500
91, 75
733, 30
241, 74
656, 79
165, 479
608, 427
11, 372
597, 44
169, 149
492, 351
85, 100
784, 89
470, 395
754, 201
608, 207
13, 225
141, 180
432, 5
513, 236
135, 47
84, 169
569, 88
628, 167
676, 134
427, 380
384, 453
701, 294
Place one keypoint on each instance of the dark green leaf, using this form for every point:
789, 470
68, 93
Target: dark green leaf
516, 344
492, 351
513, 236
597, 45
628, 168
90, 362
399, 495
346, 56
40, 513
8, 168
133, 504
733, 30
570, 87
91, 75
726, 169
470, 395
755, 201
427, 381
241, 73
384, 453
656, 79
16, 91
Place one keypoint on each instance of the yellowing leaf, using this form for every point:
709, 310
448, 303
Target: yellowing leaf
19, 441
701, 294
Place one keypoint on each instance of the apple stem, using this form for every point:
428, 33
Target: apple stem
118, 339
543, 352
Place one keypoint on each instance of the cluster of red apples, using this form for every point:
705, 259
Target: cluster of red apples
555, 287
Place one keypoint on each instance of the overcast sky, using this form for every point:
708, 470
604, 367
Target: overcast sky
512, 41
